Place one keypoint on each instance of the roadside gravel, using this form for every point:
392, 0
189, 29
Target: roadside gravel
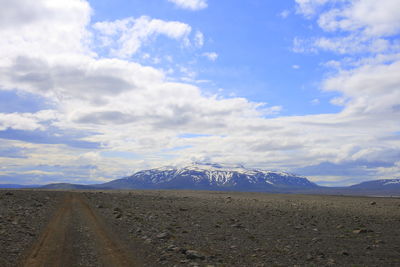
184, 228
23, 214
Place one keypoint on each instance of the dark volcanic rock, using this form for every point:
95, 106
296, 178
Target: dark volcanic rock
23, 213
274, 229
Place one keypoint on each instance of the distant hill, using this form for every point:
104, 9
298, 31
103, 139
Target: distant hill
67, 186
18, 186
384, 184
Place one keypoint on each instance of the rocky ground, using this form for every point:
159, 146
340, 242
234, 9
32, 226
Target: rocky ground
23, 214
183, 228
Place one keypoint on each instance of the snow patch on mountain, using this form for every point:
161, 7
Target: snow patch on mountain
392, 181
210, 175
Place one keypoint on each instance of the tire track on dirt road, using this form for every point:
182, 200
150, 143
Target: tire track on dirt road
59, 243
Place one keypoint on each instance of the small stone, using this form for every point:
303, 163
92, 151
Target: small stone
100, 206
339, 226
237, 225
172, 248
117, 209
361, 231
373, 203
320, 255
38, 205
331, 262
163, 236
118, 216
9, 194
309, 257
31, 234
345, 253
193, 254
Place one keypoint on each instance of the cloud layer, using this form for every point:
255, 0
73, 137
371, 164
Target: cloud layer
143, 118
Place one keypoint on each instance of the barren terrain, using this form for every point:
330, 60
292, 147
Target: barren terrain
194, 228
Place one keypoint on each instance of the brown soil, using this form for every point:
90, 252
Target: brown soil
183, 228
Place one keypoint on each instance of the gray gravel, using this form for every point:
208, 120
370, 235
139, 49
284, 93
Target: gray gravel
22, 216
182, 228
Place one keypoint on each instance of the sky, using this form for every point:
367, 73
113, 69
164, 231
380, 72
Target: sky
94, 90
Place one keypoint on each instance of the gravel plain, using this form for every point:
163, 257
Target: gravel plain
23, 215
197, 228
194, 228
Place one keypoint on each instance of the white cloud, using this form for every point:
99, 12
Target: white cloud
352, 44
199, 39
368, 85
190, 4
126, 36
370, 89
125, 106
315, 101
284, 14
372, 18
360, 26
309, 7
39, 26
25, 121
212, 56
296, 67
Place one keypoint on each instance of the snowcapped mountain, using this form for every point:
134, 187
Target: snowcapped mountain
205, 176
211, 177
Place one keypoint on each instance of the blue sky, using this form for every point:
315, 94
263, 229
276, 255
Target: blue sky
254, 43
307, 86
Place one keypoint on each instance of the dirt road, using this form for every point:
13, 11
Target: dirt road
76, 236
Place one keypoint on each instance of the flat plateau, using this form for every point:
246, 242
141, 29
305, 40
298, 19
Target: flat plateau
196, 228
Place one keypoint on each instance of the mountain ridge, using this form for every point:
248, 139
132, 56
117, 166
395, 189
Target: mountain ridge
212, 177
216, 177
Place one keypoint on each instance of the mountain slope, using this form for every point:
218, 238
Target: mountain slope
384, 184
211, 177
